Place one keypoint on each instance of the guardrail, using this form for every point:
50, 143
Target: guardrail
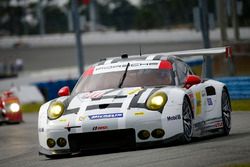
239, 87
50, 89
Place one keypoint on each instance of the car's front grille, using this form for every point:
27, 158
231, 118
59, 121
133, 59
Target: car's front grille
124, 138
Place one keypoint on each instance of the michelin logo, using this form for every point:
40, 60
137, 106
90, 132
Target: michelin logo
105, 116
171, 118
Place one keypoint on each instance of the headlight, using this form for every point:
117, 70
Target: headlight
156, 101
55, 110
14, 107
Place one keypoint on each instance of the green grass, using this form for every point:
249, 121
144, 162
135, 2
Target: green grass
31, 107
241, 105
239, 165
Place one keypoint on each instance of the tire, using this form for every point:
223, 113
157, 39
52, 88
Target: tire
187, 122
226, 110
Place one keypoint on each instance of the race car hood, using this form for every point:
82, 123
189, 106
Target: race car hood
112, 108
105, 100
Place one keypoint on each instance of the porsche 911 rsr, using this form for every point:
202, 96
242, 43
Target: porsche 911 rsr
10, 110
129, 101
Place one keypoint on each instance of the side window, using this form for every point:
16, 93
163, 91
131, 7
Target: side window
189, 71
182, 71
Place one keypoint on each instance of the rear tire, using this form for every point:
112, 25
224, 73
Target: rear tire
226, 112
187, 122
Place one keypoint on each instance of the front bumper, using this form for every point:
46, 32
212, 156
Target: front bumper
44, 151
78, 146
80, 142
13, 117
119, 133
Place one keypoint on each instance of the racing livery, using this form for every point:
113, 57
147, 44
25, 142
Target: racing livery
10, 110
133, 100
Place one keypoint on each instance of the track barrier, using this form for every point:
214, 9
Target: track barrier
239, 87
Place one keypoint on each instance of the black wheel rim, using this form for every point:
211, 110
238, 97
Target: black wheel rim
226, 110
187, 120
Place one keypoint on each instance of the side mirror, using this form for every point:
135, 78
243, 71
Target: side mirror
191, 80
1, 103
64, 91
7, 93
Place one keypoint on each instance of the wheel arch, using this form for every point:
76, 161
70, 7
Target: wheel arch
190, 104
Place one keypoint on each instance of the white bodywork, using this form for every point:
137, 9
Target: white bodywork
81, 114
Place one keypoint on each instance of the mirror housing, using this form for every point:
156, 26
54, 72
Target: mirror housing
64, 91
8, 93
191, 80
1, 103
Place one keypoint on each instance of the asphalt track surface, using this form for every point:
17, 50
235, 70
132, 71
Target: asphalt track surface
19, 148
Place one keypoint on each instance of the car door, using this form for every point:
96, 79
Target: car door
197, 95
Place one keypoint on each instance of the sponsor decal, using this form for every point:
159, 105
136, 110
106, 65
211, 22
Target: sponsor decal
132, 65
191, 97
219, 124
63, 120
99, 128
109, 67
138, 113
176, 117
198, 103
209, 101
40, 129
106, 116
120, 67
135, 91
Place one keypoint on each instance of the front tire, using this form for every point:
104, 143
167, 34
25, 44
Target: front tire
187, 122
226, 112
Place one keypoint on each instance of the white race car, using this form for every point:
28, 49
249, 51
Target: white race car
132, 100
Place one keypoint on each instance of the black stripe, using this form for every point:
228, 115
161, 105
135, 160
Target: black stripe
69, 128
135, 99
114, 97
72, 111
110, 97
153, 91
134, 102
103, 106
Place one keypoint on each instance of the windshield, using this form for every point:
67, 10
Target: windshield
134, 78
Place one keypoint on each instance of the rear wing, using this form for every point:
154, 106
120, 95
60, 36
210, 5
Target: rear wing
201, 52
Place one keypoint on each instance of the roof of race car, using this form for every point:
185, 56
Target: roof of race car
149, 61
146, 57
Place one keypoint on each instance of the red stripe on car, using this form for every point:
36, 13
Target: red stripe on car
88, 72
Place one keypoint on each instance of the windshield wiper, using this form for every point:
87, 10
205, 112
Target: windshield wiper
123, 76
